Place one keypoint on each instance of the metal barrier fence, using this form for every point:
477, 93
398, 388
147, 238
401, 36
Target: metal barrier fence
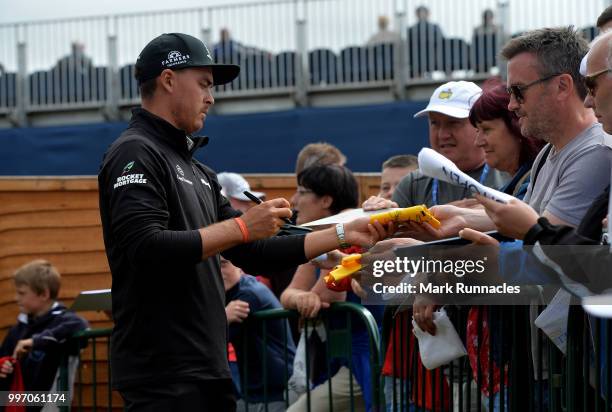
508, 368
283, 46
338, 322
92, 383
537, 376
90, 388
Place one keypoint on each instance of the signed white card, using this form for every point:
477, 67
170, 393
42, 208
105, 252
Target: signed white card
433, 164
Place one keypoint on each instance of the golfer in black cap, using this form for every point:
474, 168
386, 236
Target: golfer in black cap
165, 222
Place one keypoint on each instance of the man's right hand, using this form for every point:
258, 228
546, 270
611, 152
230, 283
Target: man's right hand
308, 304
6, 369
452, 219
265, 219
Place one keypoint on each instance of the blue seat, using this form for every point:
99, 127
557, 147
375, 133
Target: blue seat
425, 48
8, 85
354, 64
323, 65
284, 65
380, 62
257, 70
589, 32
230, 55
456, 55
97, 83
228, 52
41, 88
72, 80
128, 85
484, 52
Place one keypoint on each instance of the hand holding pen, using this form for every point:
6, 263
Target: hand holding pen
288, 227
263, 220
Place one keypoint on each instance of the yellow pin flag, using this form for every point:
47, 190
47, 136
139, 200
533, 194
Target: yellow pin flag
350, 264
419, 214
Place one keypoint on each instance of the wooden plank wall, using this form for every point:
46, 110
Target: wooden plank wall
57, 218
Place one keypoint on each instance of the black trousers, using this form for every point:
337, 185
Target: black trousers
203, 396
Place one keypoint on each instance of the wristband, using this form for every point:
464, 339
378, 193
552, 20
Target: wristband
341, 237
534, 233
243, 229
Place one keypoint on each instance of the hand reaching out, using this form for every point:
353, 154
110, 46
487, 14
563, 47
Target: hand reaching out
377, 203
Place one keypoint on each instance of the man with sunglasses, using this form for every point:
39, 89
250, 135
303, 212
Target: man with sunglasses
547, 95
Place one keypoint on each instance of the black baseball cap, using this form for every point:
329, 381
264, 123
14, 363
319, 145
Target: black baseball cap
179, 51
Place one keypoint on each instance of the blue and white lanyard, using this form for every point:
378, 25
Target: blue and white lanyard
434, 187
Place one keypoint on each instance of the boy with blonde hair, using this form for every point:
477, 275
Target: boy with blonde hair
44, 324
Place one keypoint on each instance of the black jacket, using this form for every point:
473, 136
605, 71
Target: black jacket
49, 332
578, 250
168, 304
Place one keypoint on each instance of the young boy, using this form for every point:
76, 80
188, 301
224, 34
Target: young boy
43, 326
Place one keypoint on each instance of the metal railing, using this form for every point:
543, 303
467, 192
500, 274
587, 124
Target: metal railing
92, 386
532, 374
581, 380
338, 322
283, 46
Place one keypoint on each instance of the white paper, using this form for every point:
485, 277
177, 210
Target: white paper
553, 319
95, 292
433, 164
441, 348
345, 217
93, 300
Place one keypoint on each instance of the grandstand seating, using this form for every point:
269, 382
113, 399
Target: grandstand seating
427, 51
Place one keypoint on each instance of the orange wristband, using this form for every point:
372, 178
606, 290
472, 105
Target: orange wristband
243, 229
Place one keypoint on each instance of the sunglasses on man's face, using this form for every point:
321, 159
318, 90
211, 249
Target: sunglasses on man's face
590, 81
518, 91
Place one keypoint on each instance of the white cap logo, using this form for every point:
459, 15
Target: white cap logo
175, 57
445, 94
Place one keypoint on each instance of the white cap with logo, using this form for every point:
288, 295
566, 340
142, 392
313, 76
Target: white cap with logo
234, 185
454, 99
